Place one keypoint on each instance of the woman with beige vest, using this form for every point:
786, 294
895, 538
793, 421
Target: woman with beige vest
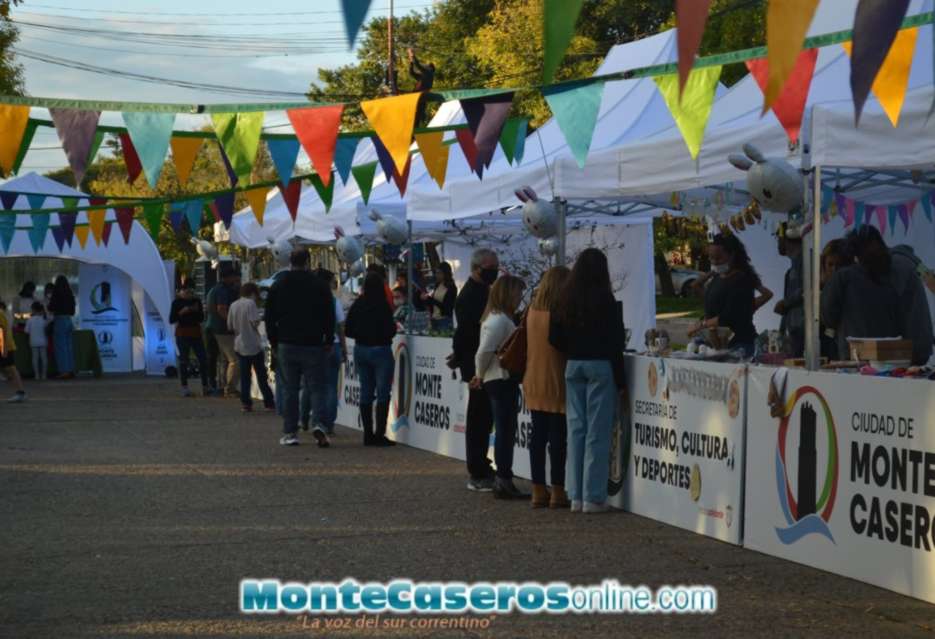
544, 391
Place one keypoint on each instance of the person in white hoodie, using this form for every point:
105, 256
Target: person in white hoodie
496, 326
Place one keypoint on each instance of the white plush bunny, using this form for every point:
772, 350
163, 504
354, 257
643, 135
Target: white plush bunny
357, 268
349, 249
773, 182
539, 217
391, 229
206, 250
281, 251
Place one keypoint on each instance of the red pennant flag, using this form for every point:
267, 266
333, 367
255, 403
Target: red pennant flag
97, 201
790, 105
291, 195
690, 18
466, 141
317, 130
125, 222
105, 236
130, 158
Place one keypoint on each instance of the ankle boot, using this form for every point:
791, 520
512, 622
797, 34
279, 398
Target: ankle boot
366, 420
379, 435
559, 497
540, 496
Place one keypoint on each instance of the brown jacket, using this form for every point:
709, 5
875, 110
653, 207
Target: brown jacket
544, 382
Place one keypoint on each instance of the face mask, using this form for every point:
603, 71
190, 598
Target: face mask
720, 269
489, 275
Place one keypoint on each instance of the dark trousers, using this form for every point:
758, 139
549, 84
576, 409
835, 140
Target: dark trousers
504, 403
258, 364
477, 434
548, 429
212, 354
187, 346
301, 365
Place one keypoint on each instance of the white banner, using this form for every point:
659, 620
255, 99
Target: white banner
841, 475
159, 340
685, 464
104, 306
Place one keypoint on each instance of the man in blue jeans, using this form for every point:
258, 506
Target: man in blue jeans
333, 361
300, 326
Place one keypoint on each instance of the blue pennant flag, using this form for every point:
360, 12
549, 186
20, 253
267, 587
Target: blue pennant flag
344, 156
284, 154
40, 226
193, 210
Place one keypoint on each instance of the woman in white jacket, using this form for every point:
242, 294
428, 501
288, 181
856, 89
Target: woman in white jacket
496, 326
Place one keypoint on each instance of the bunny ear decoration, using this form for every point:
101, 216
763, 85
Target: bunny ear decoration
530, 193
338, 232
376, 217
739, 161
753, 153
521, 195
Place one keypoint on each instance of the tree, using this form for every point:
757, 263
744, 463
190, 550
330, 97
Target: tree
11, 74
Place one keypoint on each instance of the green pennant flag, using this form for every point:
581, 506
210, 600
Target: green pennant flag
24, 145
513, 130
95, 145
326, 193
69, 202
153, 214
559, 17
575, 107
363, 175
692, 112
239, 134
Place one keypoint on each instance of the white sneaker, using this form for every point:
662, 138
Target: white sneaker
576, 505
18, 398
289, 440
593, 509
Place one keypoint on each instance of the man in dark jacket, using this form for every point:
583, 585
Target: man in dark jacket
300, 324
469, 307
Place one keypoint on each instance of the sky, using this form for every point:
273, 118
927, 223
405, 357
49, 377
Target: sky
283, 44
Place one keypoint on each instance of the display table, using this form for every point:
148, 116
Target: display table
87, 357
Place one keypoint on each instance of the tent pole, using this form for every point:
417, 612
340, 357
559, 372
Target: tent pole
561, 210
811, 277
410, 268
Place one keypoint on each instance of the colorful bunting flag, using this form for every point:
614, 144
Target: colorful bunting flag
130, 157
317, 130
77, 131
239, 135
787, 24
393, 120
224, 207
513, 135
8, 198
105, 236
434, 155
36, 200
125, 222
193, 212
151, 133
284, 153
153, 214
892, 215
903, 212
892, 79
13, 122
96, 219
690, 19
291, 195
575, 107
790, 104
66, 222
81, 232
231, 174
38, 230
257, 199
7, 229
691, 113
386, 162
466, 142
325, 190
184, 151
354, 13
559, 18
486, 116
363, 175
27, 140
59, 236
926, 202
875, 26
176, 215
344, 156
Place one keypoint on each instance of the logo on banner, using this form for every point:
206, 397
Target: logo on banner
808, 508
105, 337
100, 298
402, 397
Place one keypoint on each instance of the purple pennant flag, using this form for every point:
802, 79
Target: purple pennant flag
386, 162
486, 116
175, 217
76, 129
227, 165
903, 212
8, 198
875, 26
67, 223
224, 208
881, 217
841, 203
58, 234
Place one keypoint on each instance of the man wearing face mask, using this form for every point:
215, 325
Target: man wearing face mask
469, 307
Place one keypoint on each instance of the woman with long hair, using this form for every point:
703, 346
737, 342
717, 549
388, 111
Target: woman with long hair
544, 392
496, 326
370, 324
587, 327
441, 301
62, 307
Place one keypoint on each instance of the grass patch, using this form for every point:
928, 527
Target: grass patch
692, 305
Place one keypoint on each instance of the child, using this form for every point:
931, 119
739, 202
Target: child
7, 359
38, 340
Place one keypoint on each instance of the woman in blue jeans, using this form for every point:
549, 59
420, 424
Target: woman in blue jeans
587, 326
370, 324
62, 307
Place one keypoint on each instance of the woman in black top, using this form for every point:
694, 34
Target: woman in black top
62, 308
187, 314
730, 298
441, 301
370, 324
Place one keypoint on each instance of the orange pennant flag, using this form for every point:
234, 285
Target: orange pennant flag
787, 23
893, 77
81, 232
434, 154
317, 130
257, 200
96, 222
184, 152
13, 121
393, 120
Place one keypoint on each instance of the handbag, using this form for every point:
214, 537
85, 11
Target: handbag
512, 353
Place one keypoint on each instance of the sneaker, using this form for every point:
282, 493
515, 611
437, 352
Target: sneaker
506, 489
480, 485
576, 505
186, 392
18, 398
246, 409
593, 509
289, 440
321, 437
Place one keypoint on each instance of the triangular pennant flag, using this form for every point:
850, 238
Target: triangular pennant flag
76, 130
239, 136
559, 18
224, 207
36, 200
176, 215
8, 198
690, 19
96, 219
317, 130
903, 211
31, 127
344, 156
520, 148
787, 23
876, 24
926, 202
81, 232
66, 222
575, 107
386, 162
95, 146
105, 236
184, 151
692, 111
7, 229
402, 180
892, 215
881, 218
508, 137
827, 197
150, 133
325, 191
354, 13
130, 158
892, 80
434, 154
153, 214
363, 175
790, 105
231, 174
485, 116
393, 120
38, 230
284, 153
211, 209
193, 211
257, 199
125, 222
291, 195
13, 122
59, 236
466, 142
69, 202
860, 211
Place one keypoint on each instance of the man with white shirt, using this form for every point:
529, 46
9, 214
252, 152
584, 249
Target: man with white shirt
243, 318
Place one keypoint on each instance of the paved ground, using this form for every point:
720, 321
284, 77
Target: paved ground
128, 511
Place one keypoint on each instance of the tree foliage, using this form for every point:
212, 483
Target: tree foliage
11, 73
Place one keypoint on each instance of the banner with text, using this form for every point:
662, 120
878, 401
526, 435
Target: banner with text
104, 306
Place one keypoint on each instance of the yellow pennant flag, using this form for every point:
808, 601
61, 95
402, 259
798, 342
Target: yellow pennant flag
81, 232
691, 113
787, 23
96, 222
393, 120
434, 154
257, 199
184, 151
13, 120
893, 77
